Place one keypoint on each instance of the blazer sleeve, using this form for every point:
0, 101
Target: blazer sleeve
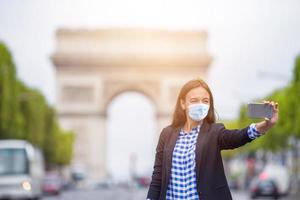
231, 139
155, 185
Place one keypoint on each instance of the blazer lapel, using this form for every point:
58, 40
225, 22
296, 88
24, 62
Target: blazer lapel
169, 150
200, 146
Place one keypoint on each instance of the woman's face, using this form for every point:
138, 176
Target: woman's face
195, 96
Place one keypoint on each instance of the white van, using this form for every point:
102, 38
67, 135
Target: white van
21, 170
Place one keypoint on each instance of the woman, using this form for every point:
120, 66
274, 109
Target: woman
188, 163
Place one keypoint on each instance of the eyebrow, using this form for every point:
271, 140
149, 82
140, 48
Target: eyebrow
195, 98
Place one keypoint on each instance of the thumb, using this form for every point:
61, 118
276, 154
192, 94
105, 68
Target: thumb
267, 119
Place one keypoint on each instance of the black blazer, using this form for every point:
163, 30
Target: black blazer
211, 180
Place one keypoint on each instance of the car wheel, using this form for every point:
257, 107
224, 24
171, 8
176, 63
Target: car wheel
276, 197
35, 198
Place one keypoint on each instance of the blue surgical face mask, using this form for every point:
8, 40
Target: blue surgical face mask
198, 111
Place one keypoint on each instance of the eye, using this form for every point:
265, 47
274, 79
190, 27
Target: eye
193, 100
206, 101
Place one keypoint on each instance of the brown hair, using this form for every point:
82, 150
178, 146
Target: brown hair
179, 116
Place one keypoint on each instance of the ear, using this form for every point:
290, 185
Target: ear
182, 104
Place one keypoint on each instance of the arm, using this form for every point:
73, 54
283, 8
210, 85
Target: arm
154, 189
230, 139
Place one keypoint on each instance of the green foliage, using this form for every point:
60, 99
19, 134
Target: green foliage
58, 150
33, 107
25, 114
10, 117
295, 100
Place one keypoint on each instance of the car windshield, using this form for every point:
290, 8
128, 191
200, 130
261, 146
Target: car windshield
51, 180
267, 183
13, 161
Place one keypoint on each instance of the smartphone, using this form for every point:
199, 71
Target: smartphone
260, 110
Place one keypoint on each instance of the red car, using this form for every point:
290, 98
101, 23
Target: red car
52, 185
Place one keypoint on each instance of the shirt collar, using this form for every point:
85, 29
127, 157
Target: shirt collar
194, 130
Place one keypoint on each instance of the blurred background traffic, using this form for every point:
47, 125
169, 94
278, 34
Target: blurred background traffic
87, 86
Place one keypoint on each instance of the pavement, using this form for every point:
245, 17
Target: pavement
134, 194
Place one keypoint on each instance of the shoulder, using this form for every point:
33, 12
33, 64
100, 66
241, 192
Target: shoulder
165, 134
217, 126
167, 131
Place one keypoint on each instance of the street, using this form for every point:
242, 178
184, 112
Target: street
125, 194
101, 194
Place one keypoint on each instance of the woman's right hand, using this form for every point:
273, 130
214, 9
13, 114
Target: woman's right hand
268, 123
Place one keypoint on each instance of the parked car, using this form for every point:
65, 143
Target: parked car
143, 181
280, 175
264, 188
52, 185
106, 183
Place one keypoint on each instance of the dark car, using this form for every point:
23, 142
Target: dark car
264, 188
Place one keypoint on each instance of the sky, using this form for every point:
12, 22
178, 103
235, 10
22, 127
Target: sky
253, 42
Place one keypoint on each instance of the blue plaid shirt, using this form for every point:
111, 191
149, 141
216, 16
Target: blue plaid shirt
183, 183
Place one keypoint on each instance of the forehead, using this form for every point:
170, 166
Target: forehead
198, 92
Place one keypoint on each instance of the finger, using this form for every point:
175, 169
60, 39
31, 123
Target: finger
266, 102
276, 106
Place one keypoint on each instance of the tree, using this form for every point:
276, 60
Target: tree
10, 117
59, 149
25, 114
33, 106
295, 100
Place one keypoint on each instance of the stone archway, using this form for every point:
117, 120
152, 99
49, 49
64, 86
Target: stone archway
130, 135
93, 66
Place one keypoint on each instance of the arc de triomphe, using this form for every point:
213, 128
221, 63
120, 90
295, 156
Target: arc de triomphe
94, 66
